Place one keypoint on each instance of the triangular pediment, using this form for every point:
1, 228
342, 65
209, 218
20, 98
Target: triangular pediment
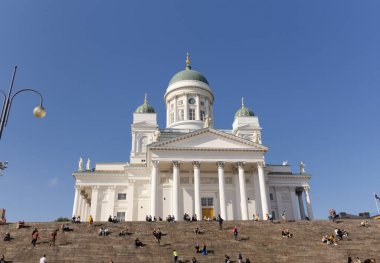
209, 139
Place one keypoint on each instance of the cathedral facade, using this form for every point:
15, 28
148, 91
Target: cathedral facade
190, 167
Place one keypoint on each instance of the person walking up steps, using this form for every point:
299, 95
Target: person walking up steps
235, 232
175, 256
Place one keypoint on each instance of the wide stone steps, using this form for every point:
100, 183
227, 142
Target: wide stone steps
260, 241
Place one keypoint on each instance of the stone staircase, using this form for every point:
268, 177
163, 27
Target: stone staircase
260, 241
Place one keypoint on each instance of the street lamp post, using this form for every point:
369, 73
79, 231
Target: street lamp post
38, 111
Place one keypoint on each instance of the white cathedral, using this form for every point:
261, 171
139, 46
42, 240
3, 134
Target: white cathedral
190, 167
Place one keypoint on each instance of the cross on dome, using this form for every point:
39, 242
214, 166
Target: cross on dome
188, 60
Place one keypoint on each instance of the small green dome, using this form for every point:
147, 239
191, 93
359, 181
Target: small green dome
188, 74
145, 108
243, 111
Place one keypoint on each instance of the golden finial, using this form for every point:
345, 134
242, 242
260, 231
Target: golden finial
146, 99
242, 102
188, 59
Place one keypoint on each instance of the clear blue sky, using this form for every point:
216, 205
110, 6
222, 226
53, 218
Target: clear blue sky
308, 69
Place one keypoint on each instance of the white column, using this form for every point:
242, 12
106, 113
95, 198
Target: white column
280, 208
197, 191
94, 202
175, 189
153, 192
243, 192
186, 108
130, 199
308, 203
167, 114
257, 193
86, 208
207, 104
222, 194
300, 204
76, 200
82, 208
111, 201
198, 108
79, 208
294, 203
263, 190
175, 110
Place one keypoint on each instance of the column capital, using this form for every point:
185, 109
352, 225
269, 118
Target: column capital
112, 187
78, 187
240, 164
95, 187
176, 163
260, 164
196, 164
131, 181
306, 189
220, 164
155, 163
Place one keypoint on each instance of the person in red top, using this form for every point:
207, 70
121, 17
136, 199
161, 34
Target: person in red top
235, 232
34, 236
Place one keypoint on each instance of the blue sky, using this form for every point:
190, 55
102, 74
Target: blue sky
308, 69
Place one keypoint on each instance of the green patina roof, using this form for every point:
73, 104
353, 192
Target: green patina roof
188, 74
243, 111
145, 108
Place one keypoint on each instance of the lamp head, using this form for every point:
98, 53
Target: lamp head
39, 111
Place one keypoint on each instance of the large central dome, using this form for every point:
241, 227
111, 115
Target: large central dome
188, 74
188, 100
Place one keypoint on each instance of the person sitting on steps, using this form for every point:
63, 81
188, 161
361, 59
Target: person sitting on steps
138, 243
20, 224
364, 224
286, 233
65, 228
103, 231
197, 249
124, 232
204, 250
7, 236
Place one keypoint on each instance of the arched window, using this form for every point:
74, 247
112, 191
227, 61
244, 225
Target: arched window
181, 115
143, 143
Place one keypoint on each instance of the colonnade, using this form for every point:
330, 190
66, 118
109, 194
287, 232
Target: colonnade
309, 209
86, 204
221, 181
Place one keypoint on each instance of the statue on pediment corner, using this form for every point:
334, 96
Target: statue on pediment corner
80, 164
302, 168
88, 164
156, 135
207, 122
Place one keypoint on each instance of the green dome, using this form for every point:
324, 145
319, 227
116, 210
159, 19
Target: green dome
188, 74
145, 108
243, 111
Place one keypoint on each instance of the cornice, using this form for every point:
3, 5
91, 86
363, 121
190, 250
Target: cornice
81, 175
293, 176
208, 149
